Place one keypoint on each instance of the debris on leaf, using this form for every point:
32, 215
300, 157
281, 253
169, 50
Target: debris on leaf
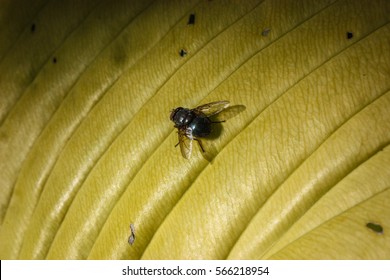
183, 52
132, 234
191, 19
375, 227
266, 31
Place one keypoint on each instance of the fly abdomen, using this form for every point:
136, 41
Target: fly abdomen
201, 127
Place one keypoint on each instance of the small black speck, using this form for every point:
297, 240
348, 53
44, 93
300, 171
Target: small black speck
191, 19
266, 31
33, 28
54, 60
349, 35
375, 227
183, 52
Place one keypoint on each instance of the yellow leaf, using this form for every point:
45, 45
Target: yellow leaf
87, 148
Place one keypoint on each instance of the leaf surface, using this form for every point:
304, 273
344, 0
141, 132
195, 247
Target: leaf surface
87, 147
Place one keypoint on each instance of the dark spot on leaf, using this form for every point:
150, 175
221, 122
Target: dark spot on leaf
375, 227
183, 52
266, 31
120, 55
54, 60
33, 28
191, 19
349, 35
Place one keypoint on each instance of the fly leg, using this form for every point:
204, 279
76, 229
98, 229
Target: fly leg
199, 143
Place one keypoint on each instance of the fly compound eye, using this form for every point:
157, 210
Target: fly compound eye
173, 113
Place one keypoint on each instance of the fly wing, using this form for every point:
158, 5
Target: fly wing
228, 113
185, 143
212, 108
